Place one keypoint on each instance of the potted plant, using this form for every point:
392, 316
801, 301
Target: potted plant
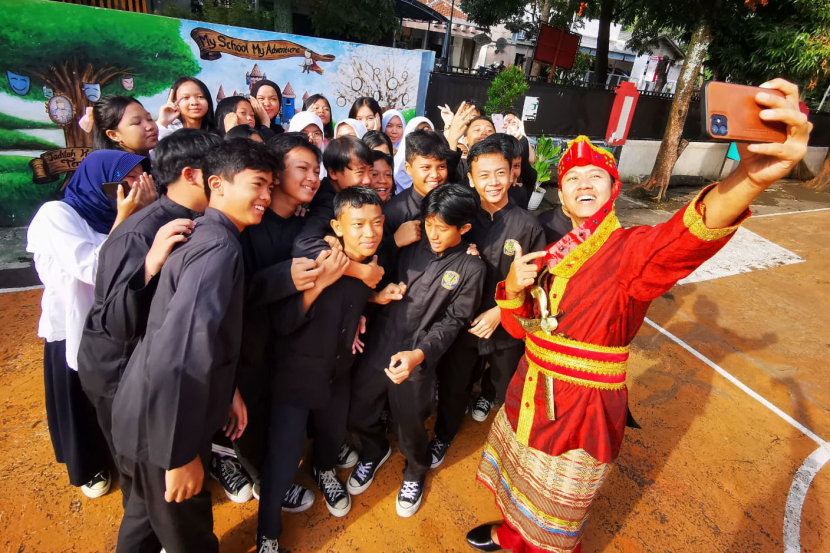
507, 87
547, 158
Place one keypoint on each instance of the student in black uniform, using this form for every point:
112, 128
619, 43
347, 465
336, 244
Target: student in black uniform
178, 386
476, 129
134, 251
408, 338
348, 162
426, 163
275, 282
498, 228
555, 223
312, 380
523, 176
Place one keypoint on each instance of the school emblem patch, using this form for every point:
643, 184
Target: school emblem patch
510, 246
450, 280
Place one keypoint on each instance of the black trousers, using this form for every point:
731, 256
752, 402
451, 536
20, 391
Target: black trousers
497, 377
410, 404
73, 424
150, 522
457, 372
284, 450
250, 446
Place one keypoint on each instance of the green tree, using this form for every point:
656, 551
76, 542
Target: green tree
507, 87
745, 41
62, 46
357, 20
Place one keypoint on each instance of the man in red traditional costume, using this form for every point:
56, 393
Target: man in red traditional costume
578, 304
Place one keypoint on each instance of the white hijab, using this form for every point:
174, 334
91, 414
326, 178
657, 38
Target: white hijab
303, 119
359, 128
388, 116
402, 178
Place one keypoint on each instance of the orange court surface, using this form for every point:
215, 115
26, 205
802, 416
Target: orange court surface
728, 379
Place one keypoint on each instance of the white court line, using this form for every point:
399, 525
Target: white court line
24, 289
795, 499
790, 212
803, 477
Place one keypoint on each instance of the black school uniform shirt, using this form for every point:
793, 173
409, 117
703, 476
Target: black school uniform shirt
442, 297
312, 357
555, 224
496, 237
401, 209
271, 299
118, 316
180, 381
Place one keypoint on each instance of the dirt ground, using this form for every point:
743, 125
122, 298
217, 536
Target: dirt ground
710, 470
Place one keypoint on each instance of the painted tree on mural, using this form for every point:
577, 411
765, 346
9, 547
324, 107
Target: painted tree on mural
62, 46
392, 81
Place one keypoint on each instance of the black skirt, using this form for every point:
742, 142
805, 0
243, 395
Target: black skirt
73, 426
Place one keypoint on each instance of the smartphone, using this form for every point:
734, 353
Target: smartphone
730, 113
111, 188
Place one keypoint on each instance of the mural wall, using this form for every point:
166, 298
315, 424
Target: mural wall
59, 58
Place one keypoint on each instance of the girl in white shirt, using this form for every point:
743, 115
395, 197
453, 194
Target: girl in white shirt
65, 237
189, 105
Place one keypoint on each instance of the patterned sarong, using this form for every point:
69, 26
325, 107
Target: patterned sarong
545, 498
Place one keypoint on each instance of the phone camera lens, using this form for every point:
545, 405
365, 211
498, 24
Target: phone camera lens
719, 125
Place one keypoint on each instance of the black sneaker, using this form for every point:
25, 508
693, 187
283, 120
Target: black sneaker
297, 499
235, 481
364, 473
437, 450
338, 501
409, 498
264, 545
481, 410
98, 486
347, 458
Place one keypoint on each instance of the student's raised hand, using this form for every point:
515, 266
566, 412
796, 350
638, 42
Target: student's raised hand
303, 273
167, 236
372, 273
402, 364
87, 122
184, 482
301, 212
260, 112
486, 323
473, 250
332, 264
357, 345
149, 194
515, 128
766, 163
408, 233
446, 114
460, 122
169, 112
333, 242
392, 292
126, 205
237, 417
522, 273
230, 121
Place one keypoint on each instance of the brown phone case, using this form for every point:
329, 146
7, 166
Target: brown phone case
730, 113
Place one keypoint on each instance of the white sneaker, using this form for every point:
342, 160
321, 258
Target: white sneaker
98, 486
338, 500
255, 491
268, 546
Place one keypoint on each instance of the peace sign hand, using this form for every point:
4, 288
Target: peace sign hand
169, 112
522, 273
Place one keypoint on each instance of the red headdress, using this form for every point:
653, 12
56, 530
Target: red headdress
581, 152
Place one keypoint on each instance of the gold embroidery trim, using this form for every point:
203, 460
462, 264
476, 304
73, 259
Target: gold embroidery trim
567, 342
570, 379
549, 405
527, 409
694, 221
512, 304
557, 290
604, 368
577, 258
